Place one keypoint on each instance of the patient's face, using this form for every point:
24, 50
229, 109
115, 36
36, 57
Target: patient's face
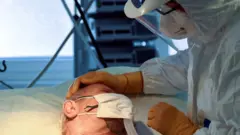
89, 124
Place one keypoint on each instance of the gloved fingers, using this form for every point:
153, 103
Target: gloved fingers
77, 83
84, 79
87, 79
72, 89
94, 77
151, 114
106, 79
160, 109
69, 93
152, 124
165, 107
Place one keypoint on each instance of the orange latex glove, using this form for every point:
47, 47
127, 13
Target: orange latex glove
130, 83
168, 120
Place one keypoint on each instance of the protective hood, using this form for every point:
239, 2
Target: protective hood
212, 17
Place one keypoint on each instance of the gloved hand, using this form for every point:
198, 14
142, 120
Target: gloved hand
168, 120
130, 83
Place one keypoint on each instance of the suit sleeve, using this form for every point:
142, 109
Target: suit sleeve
166, 76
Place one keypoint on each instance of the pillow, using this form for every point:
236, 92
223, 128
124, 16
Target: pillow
37, 110
38, 114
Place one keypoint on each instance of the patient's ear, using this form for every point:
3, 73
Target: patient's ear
70, 109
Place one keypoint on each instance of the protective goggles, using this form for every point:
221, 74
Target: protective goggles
145, 10
137, 8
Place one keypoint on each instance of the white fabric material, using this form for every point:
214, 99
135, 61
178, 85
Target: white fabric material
177, 25
209, 69
28, 115
212, 17
111, 105
44, 106
128, 124
166, 76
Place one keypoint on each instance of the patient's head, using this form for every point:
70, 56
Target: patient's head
85, 115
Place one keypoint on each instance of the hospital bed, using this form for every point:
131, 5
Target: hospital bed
37, 110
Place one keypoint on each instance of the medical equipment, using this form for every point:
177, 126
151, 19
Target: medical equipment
80, 37
4, 70
90, 33
118, 35
4, 66
76, 20
51, 60
6, 85
139, 9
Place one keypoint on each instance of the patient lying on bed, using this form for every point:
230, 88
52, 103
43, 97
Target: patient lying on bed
96, 110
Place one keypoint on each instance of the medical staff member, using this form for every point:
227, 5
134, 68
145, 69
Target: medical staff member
209, 69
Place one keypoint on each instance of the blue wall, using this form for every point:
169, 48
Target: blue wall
21, 71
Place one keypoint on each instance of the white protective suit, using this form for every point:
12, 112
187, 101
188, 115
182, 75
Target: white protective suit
209, 69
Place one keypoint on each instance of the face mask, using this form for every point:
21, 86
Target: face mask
112, 105
177, 25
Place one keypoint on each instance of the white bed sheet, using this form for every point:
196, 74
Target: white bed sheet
37, 110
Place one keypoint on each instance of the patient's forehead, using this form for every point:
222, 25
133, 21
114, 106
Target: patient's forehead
92, 90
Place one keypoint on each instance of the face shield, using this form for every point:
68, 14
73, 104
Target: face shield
143, 10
